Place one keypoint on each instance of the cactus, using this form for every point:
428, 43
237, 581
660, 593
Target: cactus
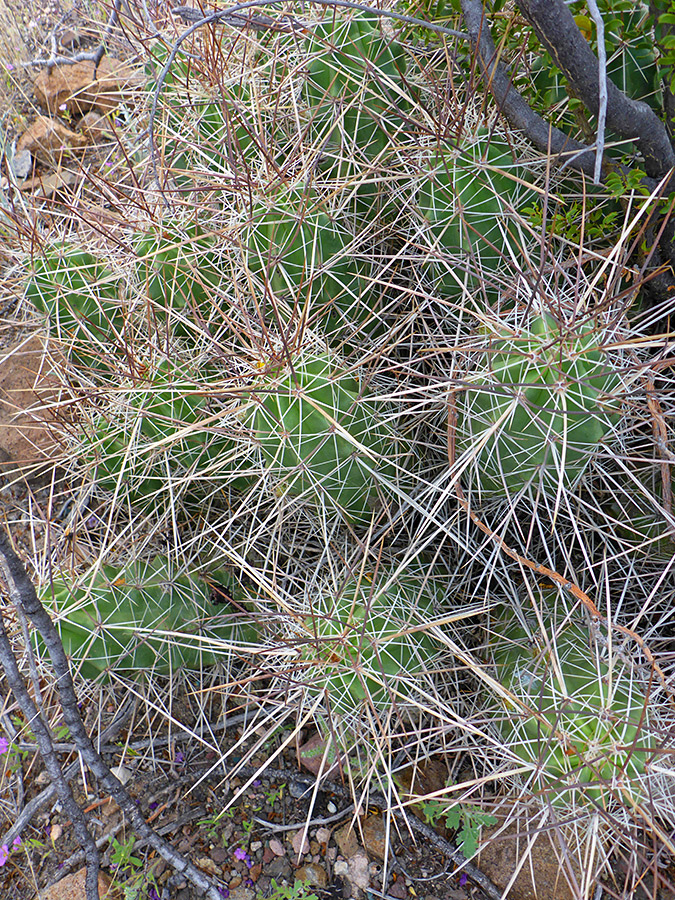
80, 296
574, 709
181, 271
303, 254
466, 197
201, 133
157, 438
538, 403
325, 439
355, 87
143, 618
368, 645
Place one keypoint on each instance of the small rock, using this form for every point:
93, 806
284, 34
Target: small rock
543, 878
219, 855
50, 140
374, 836
279, 869
255, 846
22, 164
277, 847
254, 872
300, 843
206, 864
75, 88
55, 833
72, 887
268, 855
313, 875
341, 868
398, 889
312, 756
95, 127
323, 835
242, 893
314, 847
122, 774
235, 882
347, 840
70, 39
358, 875
28, 396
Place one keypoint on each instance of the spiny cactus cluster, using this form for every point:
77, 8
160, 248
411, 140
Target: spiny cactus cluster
539, 401
363, 337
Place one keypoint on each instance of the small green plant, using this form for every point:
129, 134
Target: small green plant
122, 856
297, 891
467, 820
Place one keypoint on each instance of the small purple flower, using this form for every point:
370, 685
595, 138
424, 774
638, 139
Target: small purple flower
4, 745
224, 892
152, 894
248, 883
463, 878
9, 67
241, 854
4, 854
257, 782
179, 757
17, 841
153, 806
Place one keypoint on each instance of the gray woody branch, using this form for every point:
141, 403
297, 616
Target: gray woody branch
555, 27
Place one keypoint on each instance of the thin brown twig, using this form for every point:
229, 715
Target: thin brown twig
540, 569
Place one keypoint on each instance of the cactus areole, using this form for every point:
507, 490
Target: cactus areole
539, 401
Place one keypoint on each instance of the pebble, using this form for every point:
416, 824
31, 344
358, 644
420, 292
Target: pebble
312, 874
277, 847
374, 836
347, 840
358, 875
300, 843
341, 868
255, 846
323, 835
219, 855
279, 869
398, 889
242, 893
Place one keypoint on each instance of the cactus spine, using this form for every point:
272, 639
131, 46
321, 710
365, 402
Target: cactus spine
326, 439
368, 645
574, 711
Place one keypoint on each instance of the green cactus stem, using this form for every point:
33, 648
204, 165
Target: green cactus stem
305, 258
326, 439
575, 711
539, 401
146, 617
368, 644
81, 298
